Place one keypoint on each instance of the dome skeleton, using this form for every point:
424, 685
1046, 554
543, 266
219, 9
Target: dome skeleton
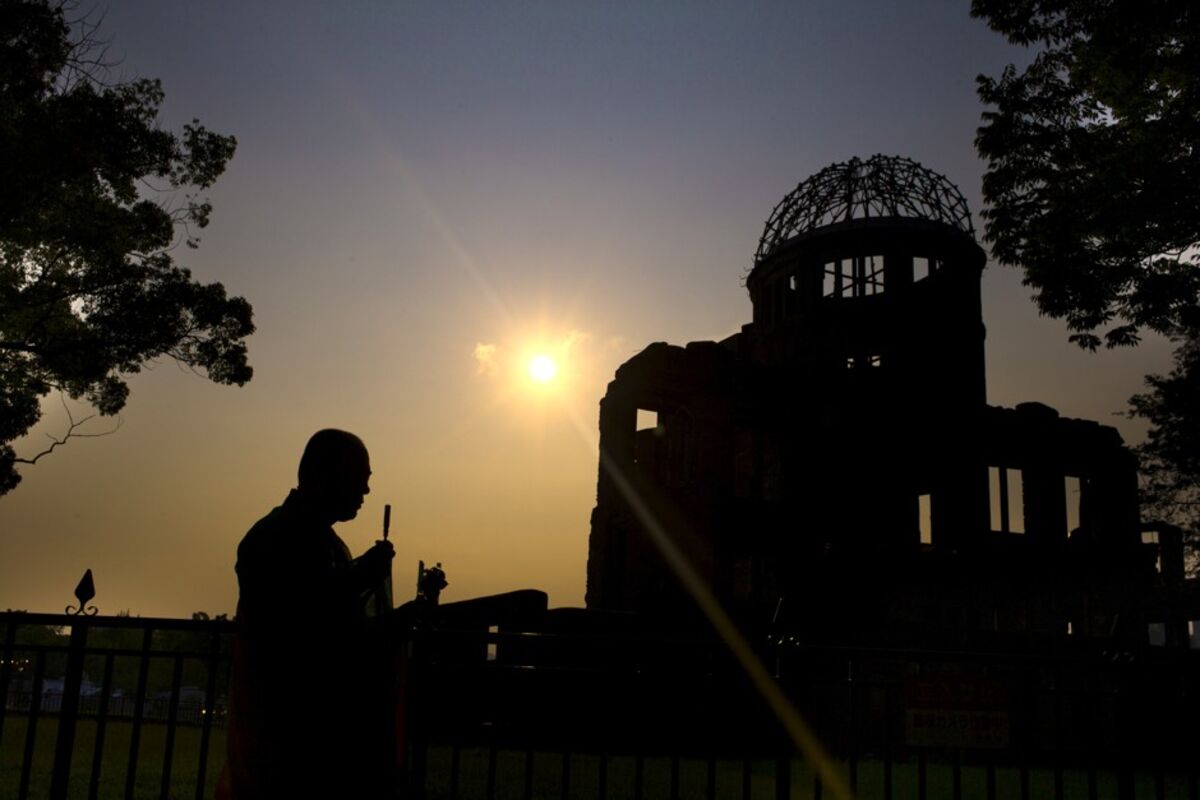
882, 186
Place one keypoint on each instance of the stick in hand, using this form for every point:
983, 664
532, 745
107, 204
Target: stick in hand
383, 597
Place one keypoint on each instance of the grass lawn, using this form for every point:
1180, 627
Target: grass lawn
184, 766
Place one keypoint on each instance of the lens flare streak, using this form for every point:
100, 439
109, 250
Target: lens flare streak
798, 730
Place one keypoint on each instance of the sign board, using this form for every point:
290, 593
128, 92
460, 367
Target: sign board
951, 710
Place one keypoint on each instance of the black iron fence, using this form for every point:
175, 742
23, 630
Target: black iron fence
533, 714
546, 707
111, 706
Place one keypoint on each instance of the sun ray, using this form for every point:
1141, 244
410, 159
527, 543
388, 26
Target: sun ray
796, 726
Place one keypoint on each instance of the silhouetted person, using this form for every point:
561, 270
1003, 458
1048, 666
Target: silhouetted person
310, 714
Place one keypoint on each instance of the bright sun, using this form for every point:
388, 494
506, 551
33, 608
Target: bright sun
542, 368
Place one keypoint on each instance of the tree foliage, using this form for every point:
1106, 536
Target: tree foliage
1170, 456
1093, 162
95, 198
1093, 188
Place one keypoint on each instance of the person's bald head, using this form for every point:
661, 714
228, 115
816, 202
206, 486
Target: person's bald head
334, 473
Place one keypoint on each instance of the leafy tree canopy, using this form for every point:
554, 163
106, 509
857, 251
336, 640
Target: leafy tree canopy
1170, 456
1093, 188
1093, 154
89, 217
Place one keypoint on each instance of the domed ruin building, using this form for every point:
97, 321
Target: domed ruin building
835, 466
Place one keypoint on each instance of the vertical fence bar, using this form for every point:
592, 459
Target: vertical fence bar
1125, 779
783, 777
747, 768
1123, 703
851, 733
455, 760
674, 775
6, 668
414, 720
956, 774
172, 721
35, 708
711, 783
528, 771
566, 774
887, 743
101, 728
491, 767
139, 704
1026, 746
209, 709
603, 787
1059, 750
68, 712
922, 778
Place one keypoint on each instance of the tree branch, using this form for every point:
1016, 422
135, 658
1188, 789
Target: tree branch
71, 433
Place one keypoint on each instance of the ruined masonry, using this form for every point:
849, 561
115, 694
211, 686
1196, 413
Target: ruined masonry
834, 468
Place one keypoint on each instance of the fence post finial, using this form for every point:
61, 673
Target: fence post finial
84, 592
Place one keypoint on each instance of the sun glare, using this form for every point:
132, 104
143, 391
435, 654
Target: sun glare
542, 368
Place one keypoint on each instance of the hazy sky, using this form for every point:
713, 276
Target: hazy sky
427, 193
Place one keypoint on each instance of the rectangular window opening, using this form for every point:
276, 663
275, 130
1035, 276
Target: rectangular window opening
1007, 500
875, 361
920, 268
1194, 634
851, 361
1157, 634
491, 645
860, 276
647, 432
1072, 488
872, 275
994, 485
925, 518
1070, 629
1151, 537
794, 283
1016, 501
833, 280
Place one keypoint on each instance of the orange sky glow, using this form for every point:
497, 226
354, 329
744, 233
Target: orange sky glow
425, 199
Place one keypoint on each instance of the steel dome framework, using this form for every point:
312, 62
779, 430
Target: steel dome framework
881, 186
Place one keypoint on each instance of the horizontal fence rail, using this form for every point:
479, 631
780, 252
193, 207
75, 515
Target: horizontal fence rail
534, 708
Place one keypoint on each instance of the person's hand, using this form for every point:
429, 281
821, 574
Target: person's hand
378, 560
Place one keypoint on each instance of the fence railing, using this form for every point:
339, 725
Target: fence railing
134, 707
515, 713
128, 684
